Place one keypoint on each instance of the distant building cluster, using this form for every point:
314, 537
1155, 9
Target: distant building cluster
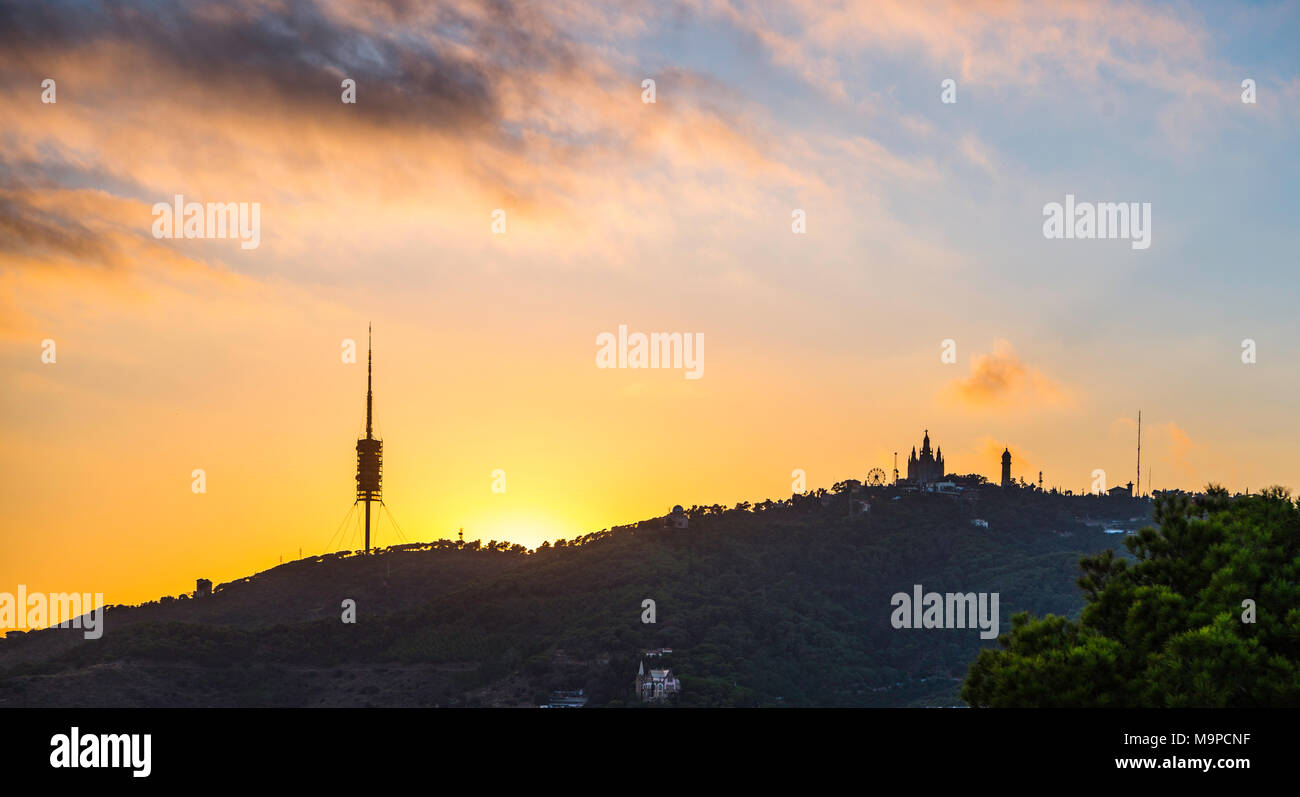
925, 473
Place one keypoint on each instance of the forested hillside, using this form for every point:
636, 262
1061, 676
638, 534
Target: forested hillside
779, 603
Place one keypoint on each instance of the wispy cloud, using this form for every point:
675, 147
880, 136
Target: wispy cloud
991, 42
1187, 458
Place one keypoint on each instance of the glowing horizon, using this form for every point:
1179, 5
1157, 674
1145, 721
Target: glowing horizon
822, 349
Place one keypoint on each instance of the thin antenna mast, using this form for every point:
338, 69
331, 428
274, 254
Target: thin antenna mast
370, 396
1138, 492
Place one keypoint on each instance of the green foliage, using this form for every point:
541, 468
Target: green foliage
1168, 630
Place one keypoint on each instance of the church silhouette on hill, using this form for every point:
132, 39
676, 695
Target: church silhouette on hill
926, 468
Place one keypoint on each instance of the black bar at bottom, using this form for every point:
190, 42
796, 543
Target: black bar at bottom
198, 747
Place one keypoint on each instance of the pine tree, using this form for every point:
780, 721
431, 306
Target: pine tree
1175, 627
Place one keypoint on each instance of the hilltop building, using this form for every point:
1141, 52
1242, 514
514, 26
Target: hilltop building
1121, 492
656, 686
677, 519
926, 468
1006, 468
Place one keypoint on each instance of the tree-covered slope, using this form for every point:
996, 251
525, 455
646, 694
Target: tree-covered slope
781, 603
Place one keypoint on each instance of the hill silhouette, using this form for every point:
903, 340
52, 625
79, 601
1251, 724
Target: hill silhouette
779, 603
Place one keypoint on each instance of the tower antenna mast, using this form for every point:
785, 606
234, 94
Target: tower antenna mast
370, 367
369, 450
1138, 492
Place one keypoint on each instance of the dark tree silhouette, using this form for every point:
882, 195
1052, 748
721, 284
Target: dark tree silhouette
1209, 615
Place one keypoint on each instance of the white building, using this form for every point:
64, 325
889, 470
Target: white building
657, 685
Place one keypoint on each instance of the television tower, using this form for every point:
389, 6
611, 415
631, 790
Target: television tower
369, 450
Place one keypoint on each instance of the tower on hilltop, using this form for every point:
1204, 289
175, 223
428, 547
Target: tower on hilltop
369, 449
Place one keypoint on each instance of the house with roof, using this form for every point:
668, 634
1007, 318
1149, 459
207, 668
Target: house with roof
656, 686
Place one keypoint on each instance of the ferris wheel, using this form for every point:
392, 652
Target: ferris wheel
876, 478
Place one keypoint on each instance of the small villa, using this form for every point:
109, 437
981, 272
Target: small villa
656, 685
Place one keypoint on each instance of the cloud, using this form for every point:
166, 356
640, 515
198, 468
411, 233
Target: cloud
32, 231
61, 229
462, 107
999, 43
68, 247
1189, 460
978, 154
251, 53
1000, 379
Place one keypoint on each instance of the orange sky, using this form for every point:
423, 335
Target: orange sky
822, 349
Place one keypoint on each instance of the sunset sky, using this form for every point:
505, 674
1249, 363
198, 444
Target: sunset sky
822, 350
